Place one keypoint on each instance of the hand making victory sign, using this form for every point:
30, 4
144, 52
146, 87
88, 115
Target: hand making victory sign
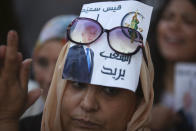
14, 72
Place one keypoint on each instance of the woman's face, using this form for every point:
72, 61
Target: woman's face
96, 108
177, 31
44, 63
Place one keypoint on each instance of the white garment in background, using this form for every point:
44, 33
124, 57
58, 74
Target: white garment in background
38, 106
168, 100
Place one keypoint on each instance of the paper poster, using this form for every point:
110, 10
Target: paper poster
185, 89
102, 62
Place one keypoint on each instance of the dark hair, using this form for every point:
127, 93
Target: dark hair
139, 91
158, 60
193, 2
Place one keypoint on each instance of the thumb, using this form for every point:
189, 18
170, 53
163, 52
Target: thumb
32, 97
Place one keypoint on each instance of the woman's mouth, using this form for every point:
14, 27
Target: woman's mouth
86, 123
174, 40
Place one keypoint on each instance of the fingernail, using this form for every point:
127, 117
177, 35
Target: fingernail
11, 33
27, 63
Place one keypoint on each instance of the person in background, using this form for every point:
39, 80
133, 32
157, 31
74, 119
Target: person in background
172, 40
46, 51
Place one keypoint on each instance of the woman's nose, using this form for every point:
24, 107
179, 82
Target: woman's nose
175, 24
89, 102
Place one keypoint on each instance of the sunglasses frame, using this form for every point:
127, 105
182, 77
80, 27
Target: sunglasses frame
108, 33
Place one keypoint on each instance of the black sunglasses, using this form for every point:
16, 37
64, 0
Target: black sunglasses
123, 40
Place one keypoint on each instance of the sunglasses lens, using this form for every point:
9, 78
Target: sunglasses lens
85, 31
124, 40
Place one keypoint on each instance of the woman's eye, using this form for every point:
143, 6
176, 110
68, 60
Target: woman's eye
78, 85
111, 91
167, 16
189, 22
43, 62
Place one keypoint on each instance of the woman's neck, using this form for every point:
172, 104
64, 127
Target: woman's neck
168, 77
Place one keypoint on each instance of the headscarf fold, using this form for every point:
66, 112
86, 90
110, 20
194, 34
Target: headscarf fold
141, 117
54, 29
51, 120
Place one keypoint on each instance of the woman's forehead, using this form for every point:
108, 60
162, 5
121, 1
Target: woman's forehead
98, 86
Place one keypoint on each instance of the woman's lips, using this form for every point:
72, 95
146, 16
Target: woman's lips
86, 123
174, 40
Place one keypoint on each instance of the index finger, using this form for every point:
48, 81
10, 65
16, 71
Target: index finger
11, 63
